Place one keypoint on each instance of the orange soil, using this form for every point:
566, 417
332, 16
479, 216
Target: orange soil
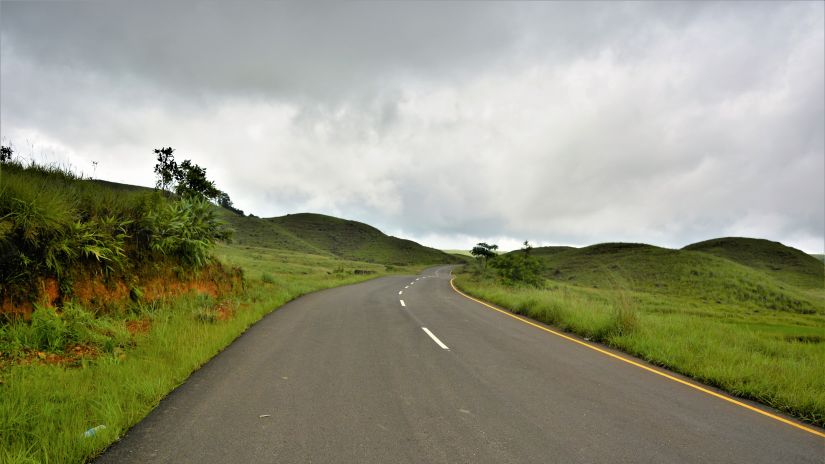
71, 356
95, 293
141, 326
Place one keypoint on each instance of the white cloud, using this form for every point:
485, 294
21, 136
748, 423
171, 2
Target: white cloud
561, 124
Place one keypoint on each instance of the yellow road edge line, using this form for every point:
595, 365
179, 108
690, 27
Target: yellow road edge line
641, 366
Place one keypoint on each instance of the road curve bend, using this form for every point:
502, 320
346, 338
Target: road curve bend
403, 369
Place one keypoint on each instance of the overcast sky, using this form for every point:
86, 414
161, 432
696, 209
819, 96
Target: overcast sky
447, 123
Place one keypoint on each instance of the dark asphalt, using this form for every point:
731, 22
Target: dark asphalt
348, 375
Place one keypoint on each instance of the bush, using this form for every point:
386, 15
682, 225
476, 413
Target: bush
515, 268
56, 224
186, 230
47, 332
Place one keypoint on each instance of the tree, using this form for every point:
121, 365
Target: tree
519, 267
166, 169
188, 180
6, 154
483, 252
527, 247
226, 202
191, 181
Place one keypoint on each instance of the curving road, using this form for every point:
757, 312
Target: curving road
350, 375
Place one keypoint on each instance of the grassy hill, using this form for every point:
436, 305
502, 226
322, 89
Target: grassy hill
331, 236
357, 241
781, 262
701, 277
258, 232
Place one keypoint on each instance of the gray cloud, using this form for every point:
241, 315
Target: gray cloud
665, 123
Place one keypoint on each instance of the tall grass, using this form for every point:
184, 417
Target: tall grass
55, 224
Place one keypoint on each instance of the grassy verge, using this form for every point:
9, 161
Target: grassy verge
775, 357
46, 407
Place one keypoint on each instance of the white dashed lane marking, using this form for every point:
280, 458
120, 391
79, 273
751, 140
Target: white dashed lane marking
435, 339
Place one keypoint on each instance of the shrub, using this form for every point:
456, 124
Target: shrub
47, 331
514, 268
56, 224
186, 230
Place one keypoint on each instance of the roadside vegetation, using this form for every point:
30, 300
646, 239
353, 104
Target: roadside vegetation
57, 229
112, 295
744, 315
131, 360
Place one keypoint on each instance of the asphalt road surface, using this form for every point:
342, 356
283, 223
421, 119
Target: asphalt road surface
350, 375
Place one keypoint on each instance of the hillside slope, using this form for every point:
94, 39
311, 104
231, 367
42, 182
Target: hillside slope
259, 232
356, 240
699, 276
781, 262
330, 236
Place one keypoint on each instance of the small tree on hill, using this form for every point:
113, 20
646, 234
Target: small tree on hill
6, 154
191, 181
166, 169
226, 202
187, 179
484, 252
519, 267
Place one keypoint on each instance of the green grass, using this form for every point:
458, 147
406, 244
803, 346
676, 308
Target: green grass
458, 252
781, 262
737, 324
57, 225
326, 235
358, 241
44, 409
691, 279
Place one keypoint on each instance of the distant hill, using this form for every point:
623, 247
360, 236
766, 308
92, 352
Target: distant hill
781, 262
700, 276
550, 250
331, 236
458, 252
258, 232
357, 241
119, 186
820, 257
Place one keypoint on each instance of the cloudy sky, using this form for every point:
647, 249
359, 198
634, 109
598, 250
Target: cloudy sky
448, 123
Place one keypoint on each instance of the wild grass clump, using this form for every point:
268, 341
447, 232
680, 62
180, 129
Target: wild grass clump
54, 331
54, 224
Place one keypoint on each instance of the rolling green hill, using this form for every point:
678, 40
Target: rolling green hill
357, 241
258, 232
550, 250
699, 276
330, 236
781, 262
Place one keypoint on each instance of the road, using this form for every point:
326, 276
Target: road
350, 375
